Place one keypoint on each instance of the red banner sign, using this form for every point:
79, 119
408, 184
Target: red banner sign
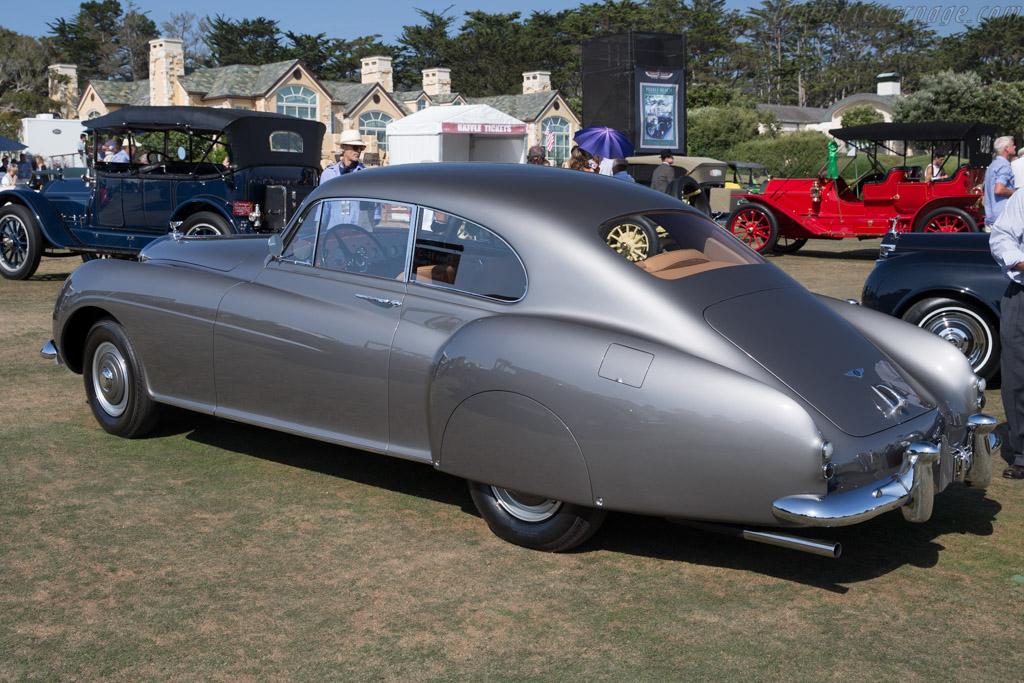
485, 128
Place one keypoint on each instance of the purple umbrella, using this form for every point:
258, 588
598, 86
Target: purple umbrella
604, 142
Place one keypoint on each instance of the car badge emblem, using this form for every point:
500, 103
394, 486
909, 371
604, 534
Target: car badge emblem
856, 372
889, 401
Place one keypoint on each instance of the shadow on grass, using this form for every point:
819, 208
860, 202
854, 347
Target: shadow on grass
871, 549
865, 254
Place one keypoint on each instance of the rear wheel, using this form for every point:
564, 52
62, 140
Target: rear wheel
964, 326
534, 521
205, 224
21, 243
946, 219
788, 245
755, 226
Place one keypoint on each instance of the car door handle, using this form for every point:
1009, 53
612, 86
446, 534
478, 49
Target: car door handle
380, 300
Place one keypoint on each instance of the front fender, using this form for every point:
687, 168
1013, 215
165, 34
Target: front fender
47, 216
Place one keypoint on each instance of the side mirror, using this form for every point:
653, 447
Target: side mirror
181, 153
275, 245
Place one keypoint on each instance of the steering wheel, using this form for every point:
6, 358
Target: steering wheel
342, 253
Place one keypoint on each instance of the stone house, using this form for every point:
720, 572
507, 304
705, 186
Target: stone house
289, 87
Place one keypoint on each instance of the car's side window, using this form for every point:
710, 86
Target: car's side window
301, 247
454, 253
364, 236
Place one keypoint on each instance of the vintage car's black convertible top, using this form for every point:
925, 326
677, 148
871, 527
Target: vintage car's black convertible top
237, 124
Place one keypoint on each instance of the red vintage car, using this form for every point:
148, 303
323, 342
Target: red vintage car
792, 210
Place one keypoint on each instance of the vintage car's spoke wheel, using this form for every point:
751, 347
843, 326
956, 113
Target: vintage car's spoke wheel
969, 330
788, 245
114, 382
205, 224
21, 243
633, 239
756, 227
947, 219
689, 191
533, 521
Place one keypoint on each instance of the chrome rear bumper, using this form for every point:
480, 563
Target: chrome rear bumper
913, 485
49, 350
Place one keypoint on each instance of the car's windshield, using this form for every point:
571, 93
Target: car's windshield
678, 244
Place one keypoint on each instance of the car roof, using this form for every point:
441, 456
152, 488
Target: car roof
207, 119
520, 198
930, 131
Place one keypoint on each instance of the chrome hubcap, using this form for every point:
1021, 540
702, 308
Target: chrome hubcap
202, 230
962, 329
110, 379
524, 506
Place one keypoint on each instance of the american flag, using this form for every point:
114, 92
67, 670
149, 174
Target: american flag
549, 139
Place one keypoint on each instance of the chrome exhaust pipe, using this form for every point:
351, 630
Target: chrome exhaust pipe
807, 545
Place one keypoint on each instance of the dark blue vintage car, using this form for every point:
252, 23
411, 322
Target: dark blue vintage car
200, 170
946, 283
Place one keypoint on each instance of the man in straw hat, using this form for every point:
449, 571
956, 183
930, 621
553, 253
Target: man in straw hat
351, 147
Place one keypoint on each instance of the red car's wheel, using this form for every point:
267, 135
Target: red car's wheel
756, 227
946, 219
788, 245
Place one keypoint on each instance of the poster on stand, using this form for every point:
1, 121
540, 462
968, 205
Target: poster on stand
659, 101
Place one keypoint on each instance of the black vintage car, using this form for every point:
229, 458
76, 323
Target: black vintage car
946, 283
200, 170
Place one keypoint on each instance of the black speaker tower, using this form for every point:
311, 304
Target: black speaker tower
609, 78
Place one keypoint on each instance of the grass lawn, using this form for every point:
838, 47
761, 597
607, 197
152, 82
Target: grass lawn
217, 551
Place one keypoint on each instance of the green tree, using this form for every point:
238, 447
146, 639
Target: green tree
23, 80
89, 40
248, 41
861, 115
944, 96
712, 131
994, 49
134, 34
423, 46
191, 30
796, 155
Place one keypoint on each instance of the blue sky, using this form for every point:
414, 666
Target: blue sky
348, 18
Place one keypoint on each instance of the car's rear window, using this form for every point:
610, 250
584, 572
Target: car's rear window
285, 141
675, 245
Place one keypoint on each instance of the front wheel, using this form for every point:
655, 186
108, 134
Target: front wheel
946, 219
968, 329
114, 382
755, 226
534, 521
205, 224
21, 243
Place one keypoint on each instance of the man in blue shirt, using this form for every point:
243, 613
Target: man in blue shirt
999, 185
1007, 246
352, 146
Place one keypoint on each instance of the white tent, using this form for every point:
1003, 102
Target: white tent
457, 133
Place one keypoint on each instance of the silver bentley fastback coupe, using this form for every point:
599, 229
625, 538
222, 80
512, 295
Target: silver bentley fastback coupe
473, 317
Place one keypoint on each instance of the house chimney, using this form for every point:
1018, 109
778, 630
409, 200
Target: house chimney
62, 82
166, 66
437, 81
378, 70
889, 84
536, 81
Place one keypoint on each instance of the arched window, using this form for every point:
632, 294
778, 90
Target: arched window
297, 100
92, 114
375, 123
559, 128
